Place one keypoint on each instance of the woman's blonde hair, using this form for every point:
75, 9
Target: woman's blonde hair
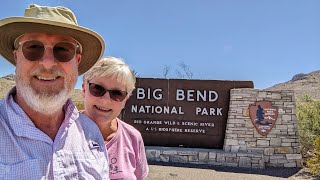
112, 67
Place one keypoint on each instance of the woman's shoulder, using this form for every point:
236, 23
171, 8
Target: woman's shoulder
129, 129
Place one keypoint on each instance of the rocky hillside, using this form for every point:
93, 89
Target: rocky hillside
7, 82
302, 84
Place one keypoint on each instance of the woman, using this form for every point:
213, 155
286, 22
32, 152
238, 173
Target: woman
106, 87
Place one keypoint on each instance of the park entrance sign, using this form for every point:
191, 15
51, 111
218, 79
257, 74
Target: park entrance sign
181, 113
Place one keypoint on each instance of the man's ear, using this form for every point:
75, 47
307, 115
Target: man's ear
79, 57
15, 56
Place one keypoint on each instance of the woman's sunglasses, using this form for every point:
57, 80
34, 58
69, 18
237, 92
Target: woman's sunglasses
33, 50
99, 91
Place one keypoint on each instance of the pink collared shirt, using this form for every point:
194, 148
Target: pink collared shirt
127, 158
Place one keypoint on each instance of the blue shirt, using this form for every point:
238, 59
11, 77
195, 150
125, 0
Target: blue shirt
77, 152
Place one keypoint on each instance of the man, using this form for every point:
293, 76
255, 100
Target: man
42, 134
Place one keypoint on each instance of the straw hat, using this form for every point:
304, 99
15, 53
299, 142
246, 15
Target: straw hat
51, 20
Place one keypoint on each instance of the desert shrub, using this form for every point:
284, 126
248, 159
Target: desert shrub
308, 113
314, 162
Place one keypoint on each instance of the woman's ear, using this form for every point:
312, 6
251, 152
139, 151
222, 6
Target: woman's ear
128, 96
125, 100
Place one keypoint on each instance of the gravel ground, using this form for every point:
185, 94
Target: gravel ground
202, 172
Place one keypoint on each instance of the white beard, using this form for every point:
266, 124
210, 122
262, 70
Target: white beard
45, 100
43, 103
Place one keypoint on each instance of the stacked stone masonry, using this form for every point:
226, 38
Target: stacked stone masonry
243, 145
280, 148
204, 156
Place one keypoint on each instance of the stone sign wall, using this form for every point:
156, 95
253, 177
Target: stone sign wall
280, 147
243, 145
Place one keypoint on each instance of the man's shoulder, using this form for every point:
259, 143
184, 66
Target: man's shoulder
89, 127
86, 122
2, 104
6, 105
2, 112
91, 132
5, 128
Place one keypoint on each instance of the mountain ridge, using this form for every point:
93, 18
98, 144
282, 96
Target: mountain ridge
302, 85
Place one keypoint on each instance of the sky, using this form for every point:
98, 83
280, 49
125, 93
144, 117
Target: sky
264, 41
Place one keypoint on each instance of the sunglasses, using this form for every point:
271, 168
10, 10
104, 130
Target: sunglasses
33, 50
99, 91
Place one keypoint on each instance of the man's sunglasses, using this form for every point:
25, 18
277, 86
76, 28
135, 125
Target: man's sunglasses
99, 91
33, 50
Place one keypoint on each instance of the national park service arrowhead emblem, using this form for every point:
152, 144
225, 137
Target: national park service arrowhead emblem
263, 116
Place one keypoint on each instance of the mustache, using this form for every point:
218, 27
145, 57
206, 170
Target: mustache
53, 71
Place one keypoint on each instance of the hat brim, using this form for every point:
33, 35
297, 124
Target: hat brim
92, 43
